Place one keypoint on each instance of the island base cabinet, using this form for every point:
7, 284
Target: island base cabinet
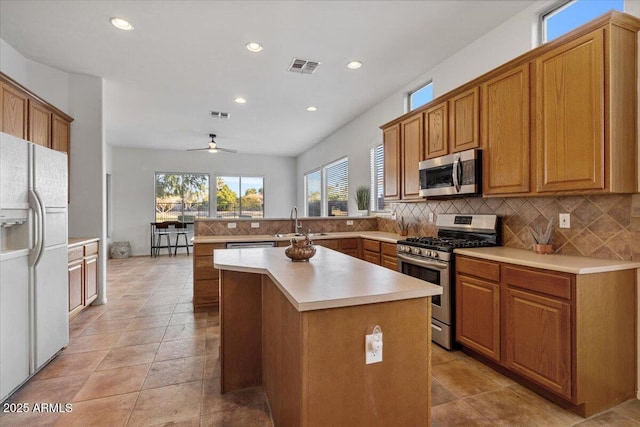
312, 363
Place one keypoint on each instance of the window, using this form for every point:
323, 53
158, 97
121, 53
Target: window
376, 155
313, 185
327, 190
572, 14
181, 196
240, 196
421, 96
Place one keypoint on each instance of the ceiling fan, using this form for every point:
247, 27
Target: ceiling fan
213, 146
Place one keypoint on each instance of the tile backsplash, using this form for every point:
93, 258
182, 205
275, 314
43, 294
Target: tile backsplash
606, 226
219, 227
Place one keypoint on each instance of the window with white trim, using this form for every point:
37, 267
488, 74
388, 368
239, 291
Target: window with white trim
327, 190
376, 158
240, 197
421, 96
569, 15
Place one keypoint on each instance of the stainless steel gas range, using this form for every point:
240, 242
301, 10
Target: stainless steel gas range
432, 259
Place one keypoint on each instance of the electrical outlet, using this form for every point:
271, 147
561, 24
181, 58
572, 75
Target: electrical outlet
430, 216
231, 225
564, 220
349, 222
255, 225
373, 348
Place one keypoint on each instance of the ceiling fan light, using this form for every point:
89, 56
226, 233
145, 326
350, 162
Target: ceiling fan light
213, 150
121, 24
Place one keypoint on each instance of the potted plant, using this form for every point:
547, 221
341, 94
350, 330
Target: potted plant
362, 200
403, 226
542, 240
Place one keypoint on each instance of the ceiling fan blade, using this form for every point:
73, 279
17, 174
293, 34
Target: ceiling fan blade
227, 150
197, 149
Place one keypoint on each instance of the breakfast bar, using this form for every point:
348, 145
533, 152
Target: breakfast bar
298, 329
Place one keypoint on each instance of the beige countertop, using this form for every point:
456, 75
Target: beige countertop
555, 262
376, 235
80, 241
329, 280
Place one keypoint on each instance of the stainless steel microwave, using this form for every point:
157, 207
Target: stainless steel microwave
458, 174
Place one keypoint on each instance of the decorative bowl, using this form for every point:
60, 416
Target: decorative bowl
300, 251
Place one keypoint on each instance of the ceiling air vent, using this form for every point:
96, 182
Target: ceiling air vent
304, 66
220, 115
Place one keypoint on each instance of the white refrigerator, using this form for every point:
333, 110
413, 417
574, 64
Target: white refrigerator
34, 322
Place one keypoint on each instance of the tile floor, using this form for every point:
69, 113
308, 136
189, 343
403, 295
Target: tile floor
145, 359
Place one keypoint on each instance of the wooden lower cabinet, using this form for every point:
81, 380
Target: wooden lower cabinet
205, 277
83, 276
571, 336
380, 253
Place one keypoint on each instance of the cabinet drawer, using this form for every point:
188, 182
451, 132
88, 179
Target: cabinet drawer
371, 245
479, 268
388, 249
371, 257
75, 253
391, 262
350, 252
550, 283
349, 244
91, 249
202, 249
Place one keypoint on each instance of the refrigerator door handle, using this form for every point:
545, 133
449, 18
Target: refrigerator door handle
35, 203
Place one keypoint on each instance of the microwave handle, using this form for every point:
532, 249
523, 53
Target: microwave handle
457, 172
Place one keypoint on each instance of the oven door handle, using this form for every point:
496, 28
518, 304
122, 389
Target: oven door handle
423, 263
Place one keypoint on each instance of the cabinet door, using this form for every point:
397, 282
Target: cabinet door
60, 134
505, 133
14, 111
412, 153
90, 279
39, 124
391, 138
436, 139
570, 116
372, 257
76, 277
478, 315
328, 243
538, 339
464, 121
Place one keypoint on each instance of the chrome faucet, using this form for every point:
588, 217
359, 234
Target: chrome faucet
294, 216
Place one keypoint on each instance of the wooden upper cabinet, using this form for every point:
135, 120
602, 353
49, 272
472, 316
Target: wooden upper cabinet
570, 98
391, 139
39, 124
464, 121
60, 132
436, 138
14, 106
505, 133
412, 149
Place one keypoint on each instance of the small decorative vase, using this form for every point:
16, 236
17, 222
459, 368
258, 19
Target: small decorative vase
300, 251
542, 249
404, 232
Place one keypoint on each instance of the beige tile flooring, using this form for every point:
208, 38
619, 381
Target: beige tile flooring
145, 359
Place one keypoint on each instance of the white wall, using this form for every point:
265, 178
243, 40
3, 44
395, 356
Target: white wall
133, 172
81, 97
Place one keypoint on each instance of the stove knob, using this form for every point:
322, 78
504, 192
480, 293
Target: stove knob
435, 254
416, 251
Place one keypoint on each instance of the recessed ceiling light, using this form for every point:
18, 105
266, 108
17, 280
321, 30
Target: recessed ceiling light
122, 24
240, 100
312, 108
354, 65
254, 47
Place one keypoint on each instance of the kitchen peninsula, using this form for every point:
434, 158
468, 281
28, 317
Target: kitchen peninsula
298, 328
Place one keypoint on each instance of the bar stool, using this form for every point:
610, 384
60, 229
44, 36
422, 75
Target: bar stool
162, 229
181, 230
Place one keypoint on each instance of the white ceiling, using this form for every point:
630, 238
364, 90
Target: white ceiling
186, 58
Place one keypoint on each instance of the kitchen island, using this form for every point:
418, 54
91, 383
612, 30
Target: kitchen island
299, 330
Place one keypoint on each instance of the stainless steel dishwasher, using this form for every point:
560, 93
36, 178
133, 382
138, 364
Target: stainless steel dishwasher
240, 245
